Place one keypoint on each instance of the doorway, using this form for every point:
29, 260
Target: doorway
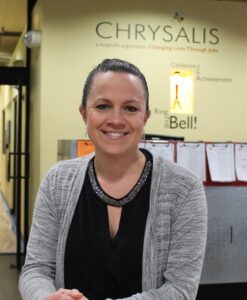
14, 155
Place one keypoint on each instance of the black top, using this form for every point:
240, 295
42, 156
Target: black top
97, 265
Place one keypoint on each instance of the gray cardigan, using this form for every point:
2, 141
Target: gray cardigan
174, 241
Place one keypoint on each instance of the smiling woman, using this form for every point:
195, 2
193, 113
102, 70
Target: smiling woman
115, 114
120, 223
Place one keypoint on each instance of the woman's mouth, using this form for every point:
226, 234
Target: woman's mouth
114, 134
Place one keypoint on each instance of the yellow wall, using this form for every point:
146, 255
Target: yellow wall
69, 51
70, 48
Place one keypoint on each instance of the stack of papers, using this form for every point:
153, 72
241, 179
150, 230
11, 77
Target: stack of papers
227, 162
221, 162
192, 157
163, 149
241, 161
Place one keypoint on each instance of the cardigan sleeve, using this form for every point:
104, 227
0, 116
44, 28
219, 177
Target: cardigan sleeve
187, 245
38, 274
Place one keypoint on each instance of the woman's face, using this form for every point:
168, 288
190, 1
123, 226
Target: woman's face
115, 114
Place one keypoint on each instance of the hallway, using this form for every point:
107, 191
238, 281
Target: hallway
8, 272
7, 229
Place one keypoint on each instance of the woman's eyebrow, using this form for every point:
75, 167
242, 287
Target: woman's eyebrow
98, 99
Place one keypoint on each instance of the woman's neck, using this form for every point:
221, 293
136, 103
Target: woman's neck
114, 168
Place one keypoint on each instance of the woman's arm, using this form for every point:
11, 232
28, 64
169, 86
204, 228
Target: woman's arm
187, 245
38, 274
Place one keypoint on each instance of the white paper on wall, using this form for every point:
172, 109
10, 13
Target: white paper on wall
160, 148
221, 162
192, 157
241, 161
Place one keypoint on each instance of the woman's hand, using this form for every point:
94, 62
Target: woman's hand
65, 294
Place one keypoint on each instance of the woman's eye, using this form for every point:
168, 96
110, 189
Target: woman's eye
130, 108
102, 106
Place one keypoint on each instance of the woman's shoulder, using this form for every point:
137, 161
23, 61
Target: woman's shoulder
173, 174
67, 170
175, 184
71, 164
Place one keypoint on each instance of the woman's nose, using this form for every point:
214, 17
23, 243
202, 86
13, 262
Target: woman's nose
116, 117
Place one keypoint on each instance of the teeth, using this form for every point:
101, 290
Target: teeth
115, 134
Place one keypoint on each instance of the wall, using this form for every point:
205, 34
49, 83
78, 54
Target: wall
207, 37
71, 47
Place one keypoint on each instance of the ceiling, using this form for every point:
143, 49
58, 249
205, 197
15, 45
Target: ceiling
12, 22
13, 15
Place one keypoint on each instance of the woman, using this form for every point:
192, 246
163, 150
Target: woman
120, 223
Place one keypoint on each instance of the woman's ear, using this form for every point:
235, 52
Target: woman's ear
83, 113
